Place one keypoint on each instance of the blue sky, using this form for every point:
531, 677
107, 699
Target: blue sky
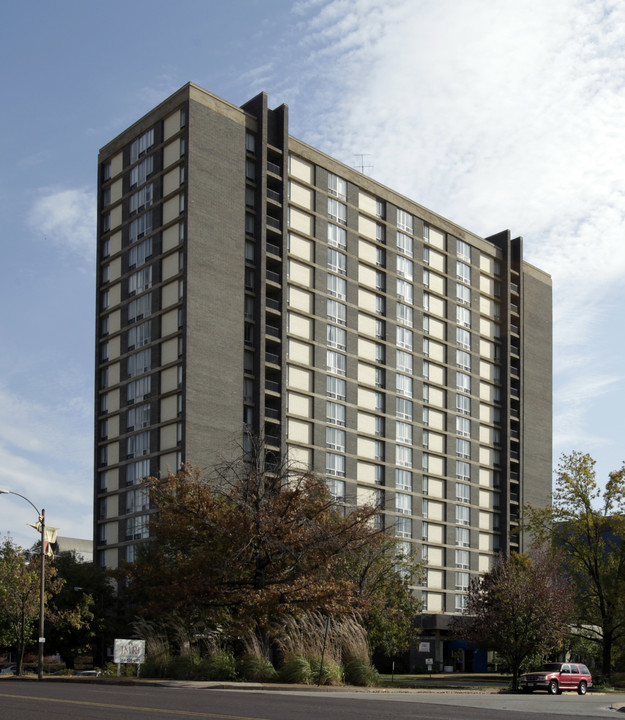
494, 113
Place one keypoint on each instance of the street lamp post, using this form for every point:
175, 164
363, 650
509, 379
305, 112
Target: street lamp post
42, 587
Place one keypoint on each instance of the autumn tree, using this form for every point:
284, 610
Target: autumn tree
250, 542
586, 527
381, 575
19, 596
80, 611
521, 608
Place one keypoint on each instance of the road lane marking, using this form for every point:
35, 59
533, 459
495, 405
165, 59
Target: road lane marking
186, 713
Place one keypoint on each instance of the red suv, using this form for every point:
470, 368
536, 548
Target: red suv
556, 677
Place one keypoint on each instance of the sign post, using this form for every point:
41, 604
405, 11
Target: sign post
429, 662
129, 652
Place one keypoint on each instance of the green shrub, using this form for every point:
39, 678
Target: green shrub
255, 668
328, 674
295, 669
358, 671
221, 665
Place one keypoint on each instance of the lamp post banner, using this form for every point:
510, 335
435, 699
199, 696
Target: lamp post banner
129, 651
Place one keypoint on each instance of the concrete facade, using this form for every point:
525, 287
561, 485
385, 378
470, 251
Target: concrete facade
248, 280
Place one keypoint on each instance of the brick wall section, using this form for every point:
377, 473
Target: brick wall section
214, 284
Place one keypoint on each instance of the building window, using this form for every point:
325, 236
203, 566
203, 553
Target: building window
405, 268
463, 382
337, 186
463, 493
335, 388
337, 236
463, 294
462, 581
463, 537
403, 503
403, 385
463, 471
461, 602
337, 211
403, 408
403, 433
139, 254
337, 287
463, 250
403, 479
336, 312
403, 527
337, 262
140, 362
141, 172
403, 361
463, 338
379, 475
335, 413
463, 515
380, 257
140, 281
380, 305
463, 404
405, 221
335, 439
139, 389
463, 448
379, 402
141, 199
250, 142
405, 244
139, 335
336, 362
138, 445
404, 338
405, 291
337, 489
463, 316
378, 450
405, 315
463, 426
139, 308
140, 226
403, 456
141, 146
335, 464
337, 337
463, 272
463, 360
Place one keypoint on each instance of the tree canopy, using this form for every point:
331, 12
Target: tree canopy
586, 527
247, 545
521, 608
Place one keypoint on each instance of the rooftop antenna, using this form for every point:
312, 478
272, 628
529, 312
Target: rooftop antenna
360, 165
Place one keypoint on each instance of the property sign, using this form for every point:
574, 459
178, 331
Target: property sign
424, 647
129, 651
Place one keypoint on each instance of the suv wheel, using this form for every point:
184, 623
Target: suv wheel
581, 690
553, 687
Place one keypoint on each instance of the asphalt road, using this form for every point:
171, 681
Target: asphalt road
66, 701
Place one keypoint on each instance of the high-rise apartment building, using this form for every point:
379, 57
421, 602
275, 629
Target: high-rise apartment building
248, 279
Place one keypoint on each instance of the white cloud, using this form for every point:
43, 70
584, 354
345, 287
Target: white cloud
67, 220
46, 454
498, 115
